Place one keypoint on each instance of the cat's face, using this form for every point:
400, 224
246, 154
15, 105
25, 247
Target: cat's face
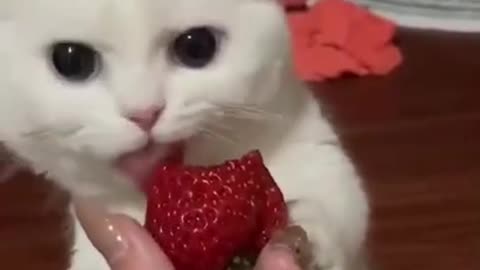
82, 83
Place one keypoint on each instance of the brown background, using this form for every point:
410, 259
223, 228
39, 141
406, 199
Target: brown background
414, 135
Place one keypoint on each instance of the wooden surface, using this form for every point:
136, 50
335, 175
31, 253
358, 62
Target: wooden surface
415, 136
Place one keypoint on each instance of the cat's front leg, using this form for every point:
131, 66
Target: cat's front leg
326, 200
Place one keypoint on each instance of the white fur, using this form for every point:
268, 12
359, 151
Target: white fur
248, 98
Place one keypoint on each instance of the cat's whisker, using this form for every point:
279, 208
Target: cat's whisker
194, 109
47, 132
217, 135
221, 127
36, 133
71, 132
247, 112
331, 142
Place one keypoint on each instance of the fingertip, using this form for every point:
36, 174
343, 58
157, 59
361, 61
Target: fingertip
143, 252
277, 257
122, 241
101, 228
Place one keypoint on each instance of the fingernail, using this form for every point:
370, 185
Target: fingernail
101, 229
278, 258
294, 239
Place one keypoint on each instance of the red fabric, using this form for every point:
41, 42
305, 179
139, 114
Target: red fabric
335, 37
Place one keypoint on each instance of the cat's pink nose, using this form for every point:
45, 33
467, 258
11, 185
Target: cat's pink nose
146, 119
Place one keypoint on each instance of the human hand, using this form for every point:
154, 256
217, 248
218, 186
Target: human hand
127, 246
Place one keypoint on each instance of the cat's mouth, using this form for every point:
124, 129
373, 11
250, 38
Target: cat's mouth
139, 165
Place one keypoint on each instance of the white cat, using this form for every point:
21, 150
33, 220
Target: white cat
95, 92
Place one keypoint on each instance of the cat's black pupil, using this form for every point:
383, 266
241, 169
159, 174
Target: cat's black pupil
196, 47
74, 61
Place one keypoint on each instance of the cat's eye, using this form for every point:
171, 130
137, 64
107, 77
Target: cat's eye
75, 62
196, 47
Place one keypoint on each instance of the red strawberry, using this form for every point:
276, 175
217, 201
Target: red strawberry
204, 217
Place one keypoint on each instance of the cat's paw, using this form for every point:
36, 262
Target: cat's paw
311, 248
